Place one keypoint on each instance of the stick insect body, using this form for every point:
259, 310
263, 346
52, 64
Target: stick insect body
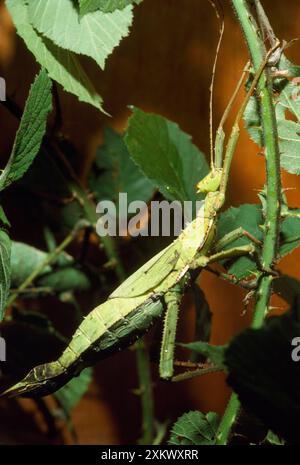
157, 287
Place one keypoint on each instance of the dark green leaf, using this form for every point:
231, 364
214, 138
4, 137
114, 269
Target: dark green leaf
263, 373
290, 235
253, 122
70, 394
114, 172
31, 130
249, 218
194, 428
166, 155
5, 249
25, 259
288, 129
273, 440
65, 279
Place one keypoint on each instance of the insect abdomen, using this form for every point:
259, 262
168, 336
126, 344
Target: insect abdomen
95, 339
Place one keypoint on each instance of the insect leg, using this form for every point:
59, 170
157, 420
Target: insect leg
233, 236
202, 261
172, 300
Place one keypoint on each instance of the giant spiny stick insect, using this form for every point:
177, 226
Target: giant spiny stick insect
158, 286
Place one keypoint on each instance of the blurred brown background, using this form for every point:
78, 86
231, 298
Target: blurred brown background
164, 66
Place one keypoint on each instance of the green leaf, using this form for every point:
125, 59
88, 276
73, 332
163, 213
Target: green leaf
62, 65
194, 428
25, 259
114, 172
107, 6
289, 67
287, 106
264, 375
289, 130
166, 155
248, 217
94, 35
69, 395
5, 247
290, 235
273, 440
214, 354
31, 130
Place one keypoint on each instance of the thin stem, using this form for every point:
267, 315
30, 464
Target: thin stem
228, 420
272, 223
146, 393
272, 156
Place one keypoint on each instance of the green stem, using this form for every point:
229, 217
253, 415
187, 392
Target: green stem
272, 154
228, 420
272, 221
146, 393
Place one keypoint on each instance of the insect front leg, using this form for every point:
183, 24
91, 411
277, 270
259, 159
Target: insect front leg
172, 299
202, 261
233, 236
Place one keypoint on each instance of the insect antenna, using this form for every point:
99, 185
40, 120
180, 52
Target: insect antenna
220, 16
